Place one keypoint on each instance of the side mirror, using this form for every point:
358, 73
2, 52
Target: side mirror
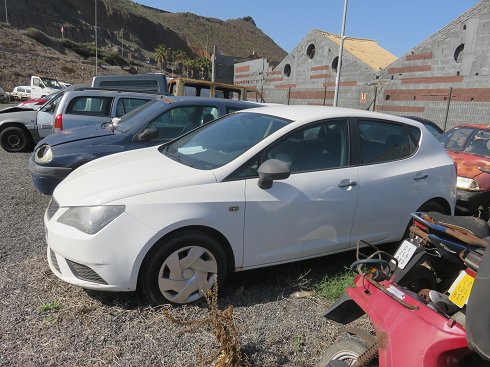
270, 170
147, 134
115, 120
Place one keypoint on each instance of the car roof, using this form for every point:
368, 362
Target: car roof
105, 92
303, 112
207, 100
426, 122
474, 126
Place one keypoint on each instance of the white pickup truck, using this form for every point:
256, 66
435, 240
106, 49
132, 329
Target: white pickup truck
42, 86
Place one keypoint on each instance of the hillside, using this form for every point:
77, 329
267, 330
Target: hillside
22, 56
142, 28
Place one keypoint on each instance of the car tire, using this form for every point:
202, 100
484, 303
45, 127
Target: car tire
14, 139
182, 268
432, 206
347, 351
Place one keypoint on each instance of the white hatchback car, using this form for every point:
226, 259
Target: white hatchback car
255, 188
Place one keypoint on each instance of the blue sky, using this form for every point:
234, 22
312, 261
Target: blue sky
397, 25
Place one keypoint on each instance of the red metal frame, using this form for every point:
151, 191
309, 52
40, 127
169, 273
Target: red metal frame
409, 337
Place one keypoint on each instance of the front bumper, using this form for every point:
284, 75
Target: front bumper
46, 178
468, 201
108, 260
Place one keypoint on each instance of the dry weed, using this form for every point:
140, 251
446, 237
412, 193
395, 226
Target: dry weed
221, 324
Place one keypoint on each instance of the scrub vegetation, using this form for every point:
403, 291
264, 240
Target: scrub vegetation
332, 287
222, 326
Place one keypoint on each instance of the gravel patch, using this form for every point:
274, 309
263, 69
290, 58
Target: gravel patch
78, 327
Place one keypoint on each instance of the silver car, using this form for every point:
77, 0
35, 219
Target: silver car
21, 128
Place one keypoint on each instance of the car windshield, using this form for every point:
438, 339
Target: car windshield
221, 141
51, 83
467, 140
133, 118
479, 144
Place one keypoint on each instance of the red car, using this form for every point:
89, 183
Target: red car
33, 102
469, 147
37, 103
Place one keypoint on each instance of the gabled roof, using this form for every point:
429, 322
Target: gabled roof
455, 26
366, 50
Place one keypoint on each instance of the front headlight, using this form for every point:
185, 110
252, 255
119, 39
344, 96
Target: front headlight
43, 154
466, 183
91, 219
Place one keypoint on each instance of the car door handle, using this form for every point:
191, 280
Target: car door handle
421, 177
347, 183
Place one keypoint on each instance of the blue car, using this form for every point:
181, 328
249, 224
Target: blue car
154, 123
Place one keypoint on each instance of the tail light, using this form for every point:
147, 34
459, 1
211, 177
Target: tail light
58, 123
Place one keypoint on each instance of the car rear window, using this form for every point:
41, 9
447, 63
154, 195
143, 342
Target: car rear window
92, 106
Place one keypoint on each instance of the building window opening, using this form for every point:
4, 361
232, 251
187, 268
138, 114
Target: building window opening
335, 64
310, 51
287, 70
458, 54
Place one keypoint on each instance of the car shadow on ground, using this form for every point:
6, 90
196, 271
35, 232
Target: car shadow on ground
252, 287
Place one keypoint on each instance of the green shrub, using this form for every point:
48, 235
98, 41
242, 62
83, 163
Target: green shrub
332, 287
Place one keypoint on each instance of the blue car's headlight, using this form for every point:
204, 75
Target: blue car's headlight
91, 219
43, 154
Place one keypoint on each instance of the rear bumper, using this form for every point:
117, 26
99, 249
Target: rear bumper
468, 201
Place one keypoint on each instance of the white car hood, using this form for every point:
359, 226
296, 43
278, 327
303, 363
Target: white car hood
126, 174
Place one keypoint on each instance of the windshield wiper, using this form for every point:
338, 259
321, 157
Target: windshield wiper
176, 157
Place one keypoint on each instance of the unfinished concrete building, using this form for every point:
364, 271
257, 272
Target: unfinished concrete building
446, 78
307, 74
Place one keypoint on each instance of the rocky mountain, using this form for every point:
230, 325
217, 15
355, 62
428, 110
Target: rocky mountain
140, 29
128, 33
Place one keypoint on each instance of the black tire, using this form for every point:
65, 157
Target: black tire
432, 206
347, 350
159, 268
14, 139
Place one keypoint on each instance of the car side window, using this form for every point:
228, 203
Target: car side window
319, 146
52, 105
125, 105
316, 147
382, 141
92, 106
180, 120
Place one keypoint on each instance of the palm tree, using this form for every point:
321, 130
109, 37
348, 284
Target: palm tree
204, 65
188, 64
178, 57
161, 55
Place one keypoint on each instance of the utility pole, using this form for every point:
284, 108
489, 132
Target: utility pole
213, 65
341, 51
6, 17
96, 56
122, 42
